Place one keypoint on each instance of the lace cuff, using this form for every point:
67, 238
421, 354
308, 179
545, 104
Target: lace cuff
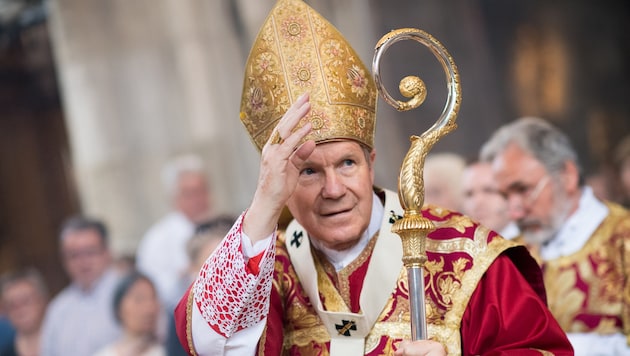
229, 297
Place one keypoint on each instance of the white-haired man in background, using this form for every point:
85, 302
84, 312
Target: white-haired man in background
582, 242
161, 254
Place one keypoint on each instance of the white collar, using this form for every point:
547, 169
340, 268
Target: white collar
341, 259
578, 228
510, 231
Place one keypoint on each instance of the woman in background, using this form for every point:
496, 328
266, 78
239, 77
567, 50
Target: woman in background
137, 309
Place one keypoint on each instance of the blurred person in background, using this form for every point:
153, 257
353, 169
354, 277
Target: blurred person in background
208, 235
622, 164
7, 332
137, 308
442, 180
80, 320
583, 243
482, 201
24, 296
161, 254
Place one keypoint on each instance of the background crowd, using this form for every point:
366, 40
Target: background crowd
112, 306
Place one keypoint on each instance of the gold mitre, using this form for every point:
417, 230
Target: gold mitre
298, 51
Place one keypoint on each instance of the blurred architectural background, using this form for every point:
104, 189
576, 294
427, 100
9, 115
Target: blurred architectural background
96, 94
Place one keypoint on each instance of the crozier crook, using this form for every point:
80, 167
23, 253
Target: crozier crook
412, 227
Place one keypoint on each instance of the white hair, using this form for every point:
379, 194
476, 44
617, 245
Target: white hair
174, 168
536, 136
444, 169
447, 165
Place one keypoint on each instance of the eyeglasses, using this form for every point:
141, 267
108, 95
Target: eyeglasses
84, 253
527, 195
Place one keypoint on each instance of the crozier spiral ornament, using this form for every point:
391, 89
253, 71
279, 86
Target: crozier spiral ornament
412, 227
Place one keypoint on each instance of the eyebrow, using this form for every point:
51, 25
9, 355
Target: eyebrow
350, 155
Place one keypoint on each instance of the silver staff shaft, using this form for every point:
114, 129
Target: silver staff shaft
417, 305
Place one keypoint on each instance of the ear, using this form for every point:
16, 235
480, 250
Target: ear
372, 158
571, 177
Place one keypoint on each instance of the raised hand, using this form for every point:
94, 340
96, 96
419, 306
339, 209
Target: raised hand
280, 165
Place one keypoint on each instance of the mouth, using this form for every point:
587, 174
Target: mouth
335, 213
529, 225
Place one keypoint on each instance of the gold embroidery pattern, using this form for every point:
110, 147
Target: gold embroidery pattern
343, 276
453, 279
332, 300
189, 306
303, 336
449, 289
306, 328
390, 330
602, 268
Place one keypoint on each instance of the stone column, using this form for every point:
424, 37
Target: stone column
142, 81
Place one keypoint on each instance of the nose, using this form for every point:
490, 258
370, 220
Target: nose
334, 186
516, 209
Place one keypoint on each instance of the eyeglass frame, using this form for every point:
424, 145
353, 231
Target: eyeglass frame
528, 194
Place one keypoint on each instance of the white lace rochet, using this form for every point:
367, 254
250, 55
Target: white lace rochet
229, 297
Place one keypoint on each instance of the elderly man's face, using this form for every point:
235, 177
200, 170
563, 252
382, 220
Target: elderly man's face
537, 201
333, 197
192, 196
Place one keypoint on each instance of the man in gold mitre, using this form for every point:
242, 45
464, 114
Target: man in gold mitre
332, 282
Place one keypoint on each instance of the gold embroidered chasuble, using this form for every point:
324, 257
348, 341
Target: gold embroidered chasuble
589, 290
459, 253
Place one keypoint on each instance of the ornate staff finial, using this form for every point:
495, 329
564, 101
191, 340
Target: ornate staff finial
413, 228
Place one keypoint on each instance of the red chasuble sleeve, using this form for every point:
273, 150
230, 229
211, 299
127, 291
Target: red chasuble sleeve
505, 316
273, 336
181, 321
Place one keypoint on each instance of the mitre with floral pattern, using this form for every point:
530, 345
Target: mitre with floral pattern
298, 51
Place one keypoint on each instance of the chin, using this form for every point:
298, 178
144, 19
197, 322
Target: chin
340, 242
538, 237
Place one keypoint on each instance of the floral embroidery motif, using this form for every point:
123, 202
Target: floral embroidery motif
264, 62
256, 101
318, 120
357, 80
303, 75
293, 29
335, 51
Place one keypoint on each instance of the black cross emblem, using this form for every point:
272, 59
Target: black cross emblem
345, 328
297, 238
393, 217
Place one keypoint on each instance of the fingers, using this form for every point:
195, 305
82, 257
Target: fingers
294, 138
289, 120
420, 348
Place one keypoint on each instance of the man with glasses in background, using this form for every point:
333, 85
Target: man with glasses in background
583, 244
80, 320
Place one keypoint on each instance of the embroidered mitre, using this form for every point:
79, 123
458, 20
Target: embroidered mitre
298, 51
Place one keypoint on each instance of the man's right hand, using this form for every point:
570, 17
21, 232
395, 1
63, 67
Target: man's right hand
420, 348
280, 166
